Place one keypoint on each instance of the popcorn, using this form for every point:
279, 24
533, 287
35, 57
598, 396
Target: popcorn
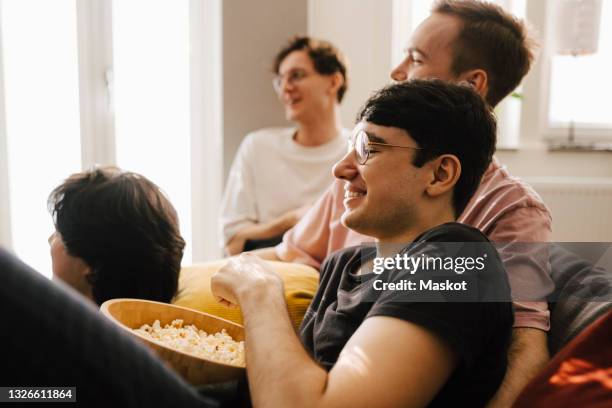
218, 347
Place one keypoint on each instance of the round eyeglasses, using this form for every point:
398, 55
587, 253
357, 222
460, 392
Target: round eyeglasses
292, 77
362, 146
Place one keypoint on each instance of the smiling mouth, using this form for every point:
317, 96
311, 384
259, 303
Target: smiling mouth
292, 101
353, 199
353, 194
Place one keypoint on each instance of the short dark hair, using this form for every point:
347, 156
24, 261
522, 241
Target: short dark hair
124, 228
442, 118
490, 39
326, 58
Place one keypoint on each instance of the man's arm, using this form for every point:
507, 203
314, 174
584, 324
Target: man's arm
527, 232
372, 369
528, 355
269, 254
264, 230
308, 241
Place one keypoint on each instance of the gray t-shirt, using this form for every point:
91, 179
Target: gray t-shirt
478, 332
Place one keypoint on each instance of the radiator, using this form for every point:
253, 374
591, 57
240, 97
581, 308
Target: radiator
581, 207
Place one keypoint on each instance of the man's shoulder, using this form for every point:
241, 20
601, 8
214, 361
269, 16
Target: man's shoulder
346, 253
452, 232
269, 135
342, 257
262, 143
499, 196
499, 185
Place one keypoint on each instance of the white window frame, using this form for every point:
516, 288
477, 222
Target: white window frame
206, 127
95, 56
5, 210
542, 16
95, 68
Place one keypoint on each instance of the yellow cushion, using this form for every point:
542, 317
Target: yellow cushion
301, 283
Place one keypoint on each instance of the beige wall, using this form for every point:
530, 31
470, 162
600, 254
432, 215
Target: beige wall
253, 31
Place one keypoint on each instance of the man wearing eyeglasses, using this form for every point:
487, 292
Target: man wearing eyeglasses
279, 172
411, 170
480, 44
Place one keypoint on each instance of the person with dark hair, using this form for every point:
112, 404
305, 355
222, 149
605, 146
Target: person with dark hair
479, 44
412, 168
259, 206
53, 337
418, 113
116, 235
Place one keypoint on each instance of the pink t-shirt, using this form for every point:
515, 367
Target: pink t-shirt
504, 208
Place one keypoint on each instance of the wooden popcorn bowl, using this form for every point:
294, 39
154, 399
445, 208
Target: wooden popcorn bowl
133, 313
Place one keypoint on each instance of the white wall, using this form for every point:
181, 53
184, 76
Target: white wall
362, 29
537, 161
5, 213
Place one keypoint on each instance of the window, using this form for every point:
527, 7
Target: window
573, 81
41, 100
109, 83
151, 97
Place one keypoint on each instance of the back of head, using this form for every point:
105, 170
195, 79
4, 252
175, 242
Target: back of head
326, 58
442, 118
125, 230
490, 39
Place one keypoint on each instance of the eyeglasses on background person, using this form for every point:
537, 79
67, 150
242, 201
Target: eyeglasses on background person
292, 77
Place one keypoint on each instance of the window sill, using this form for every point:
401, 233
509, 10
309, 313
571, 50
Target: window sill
579, 147
559, 146
507, 149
